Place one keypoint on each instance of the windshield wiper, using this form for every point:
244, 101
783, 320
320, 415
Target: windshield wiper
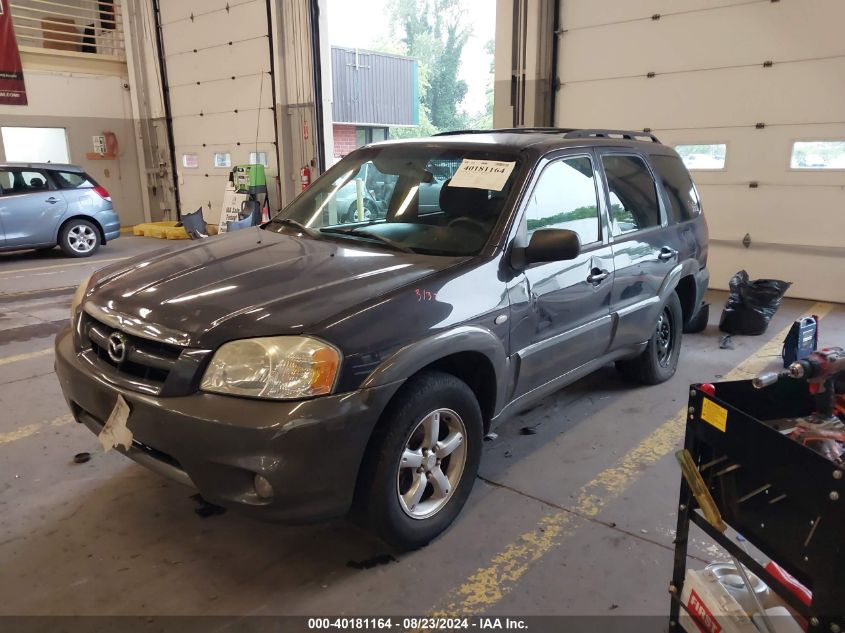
372, 236
298, 225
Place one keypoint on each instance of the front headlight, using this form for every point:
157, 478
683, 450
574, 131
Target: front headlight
78, 296
278, 367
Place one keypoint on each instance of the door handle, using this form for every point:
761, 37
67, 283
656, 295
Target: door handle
666, 254
52, 200
597, 275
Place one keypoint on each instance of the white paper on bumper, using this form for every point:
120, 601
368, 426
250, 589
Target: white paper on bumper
115, 432
482, 174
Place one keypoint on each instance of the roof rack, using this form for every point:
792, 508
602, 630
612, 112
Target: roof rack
510, 130
629, 135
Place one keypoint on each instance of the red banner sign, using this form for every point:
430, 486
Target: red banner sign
12, 89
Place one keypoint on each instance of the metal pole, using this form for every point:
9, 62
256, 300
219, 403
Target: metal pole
168, 118
319, 136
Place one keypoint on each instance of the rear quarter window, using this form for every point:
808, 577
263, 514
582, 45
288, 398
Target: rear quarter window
72, 180
683, 198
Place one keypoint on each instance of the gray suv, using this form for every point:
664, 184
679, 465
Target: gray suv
319, 365
44, 204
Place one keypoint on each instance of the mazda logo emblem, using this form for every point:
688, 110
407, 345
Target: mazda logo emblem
117, 347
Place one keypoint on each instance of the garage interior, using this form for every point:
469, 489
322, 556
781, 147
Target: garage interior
574, 511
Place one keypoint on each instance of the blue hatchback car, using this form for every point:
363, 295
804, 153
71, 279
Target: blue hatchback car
45, 204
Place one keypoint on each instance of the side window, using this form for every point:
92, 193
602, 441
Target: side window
71, 180
633, 197
565, 198
685, 204
6, 180
16, 181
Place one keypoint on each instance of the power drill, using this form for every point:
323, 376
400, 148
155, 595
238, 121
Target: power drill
821, 369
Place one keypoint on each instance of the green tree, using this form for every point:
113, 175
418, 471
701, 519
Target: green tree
435, 33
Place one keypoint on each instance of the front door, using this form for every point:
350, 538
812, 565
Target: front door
30, 208
644, 251
561, 315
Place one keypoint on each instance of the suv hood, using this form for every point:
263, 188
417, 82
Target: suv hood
255, 283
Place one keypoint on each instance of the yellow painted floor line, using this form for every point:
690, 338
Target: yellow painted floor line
27, 356
33, 429
90, 262
488, 585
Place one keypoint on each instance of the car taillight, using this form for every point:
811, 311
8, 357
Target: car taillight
102, 192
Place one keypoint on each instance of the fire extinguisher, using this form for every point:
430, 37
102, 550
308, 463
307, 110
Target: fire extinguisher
305, 177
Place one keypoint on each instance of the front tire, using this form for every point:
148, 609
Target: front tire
422, 461
659, 360
79, 238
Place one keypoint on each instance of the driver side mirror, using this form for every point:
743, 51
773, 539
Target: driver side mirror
548, 245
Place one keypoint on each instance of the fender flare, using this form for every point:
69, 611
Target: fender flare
415, 356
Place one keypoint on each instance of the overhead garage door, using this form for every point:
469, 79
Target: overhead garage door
698, 72
217, 61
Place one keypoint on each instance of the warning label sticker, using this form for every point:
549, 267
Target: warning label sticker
714, 415
482, 174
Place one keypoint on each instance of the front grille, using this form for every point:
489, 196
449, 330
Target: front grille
146, 360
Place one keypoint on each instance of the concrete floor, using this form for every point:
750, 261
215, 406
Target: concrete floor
576, 519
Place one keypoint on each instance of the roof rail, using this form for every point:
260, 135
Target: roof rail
511, 130
630, 135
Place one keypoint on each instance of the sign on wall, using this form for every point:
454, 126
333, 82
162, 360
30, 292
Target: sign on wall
12, 89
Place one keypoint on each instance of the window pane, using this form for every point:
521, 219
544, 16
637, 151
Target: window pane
565, 198
35, 144
633, 198
71, 180
703, 156
190, 161
678, 184
222, 159
6, 180
258, 158
16, 181
360, 136
818, 155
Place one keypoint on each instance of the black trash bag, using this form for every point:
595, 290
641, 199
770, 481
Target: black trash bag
751, 304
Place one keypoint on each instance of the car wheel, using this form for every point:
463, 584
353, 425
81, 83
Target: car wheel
79, 238
369, 212
422, 461
659, 360
698, 321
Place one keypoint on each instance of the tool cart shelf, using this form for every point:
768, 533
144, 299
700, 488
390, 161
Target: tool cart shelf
785, 499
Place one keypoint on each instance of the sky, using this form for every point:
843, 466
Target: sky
362, 23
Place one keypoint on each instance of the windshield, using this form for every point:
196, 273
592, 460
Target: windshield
430, 199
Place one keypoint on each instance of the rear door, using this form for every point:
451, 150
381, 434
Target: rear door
561, 309
644, 251
30, 207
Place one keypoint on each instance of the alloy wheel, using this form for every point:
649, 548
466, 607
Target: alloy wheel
82, 238
432, 464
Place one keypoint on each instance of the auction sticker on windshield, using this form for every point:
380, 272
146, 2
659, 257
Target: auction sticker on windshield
482, 174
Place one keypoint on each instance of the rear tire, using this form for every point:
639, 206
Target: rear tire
79, 238
413, 486
659, 360
699, 320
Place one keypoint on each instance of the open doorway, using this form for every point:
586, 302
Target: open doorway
409, 68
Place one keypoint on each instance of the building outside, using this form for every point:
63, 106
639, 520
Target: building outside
371, 93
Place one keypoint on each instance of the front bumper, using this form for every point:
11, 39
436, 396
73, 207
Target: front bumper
310, 450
